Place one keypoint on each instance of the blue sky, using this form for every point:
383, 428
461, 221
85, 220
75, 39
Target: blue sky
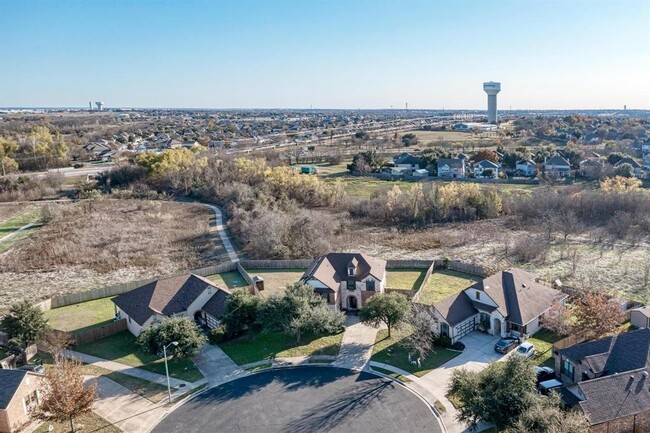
328, 54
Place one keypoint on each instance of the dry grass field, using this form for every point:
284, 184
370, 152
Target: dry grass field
93, 244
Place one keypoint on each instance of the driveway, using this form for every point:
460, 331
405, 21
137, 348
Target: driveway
304, 400
215, 365
357, 344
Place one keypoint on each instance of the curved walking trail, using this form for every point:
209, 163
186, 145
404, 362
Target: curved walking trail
12, 234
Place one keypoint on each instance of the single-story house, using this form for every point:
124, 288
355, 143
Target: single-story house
346, 280
635, 165
19, 395
527, 167
557, 166
608, 380
183, 296
486, 169
451, 167
510, 302
407, 160
640, 317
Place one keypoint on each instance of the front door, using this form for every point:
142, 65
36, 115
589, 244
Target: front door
497, 327
352, 302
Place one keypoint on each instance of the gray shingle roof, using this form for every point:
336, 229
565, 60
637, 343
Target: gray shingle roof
11, 380
455, 308
451, 162
557, 160
216, 305
166, 297
332, 268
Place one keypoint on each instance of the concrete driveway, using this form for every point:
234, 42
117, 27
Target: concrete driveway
216, 366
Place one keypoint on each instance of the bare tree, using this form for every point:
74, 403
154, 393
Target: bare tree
558, 319
596, 314
420, 342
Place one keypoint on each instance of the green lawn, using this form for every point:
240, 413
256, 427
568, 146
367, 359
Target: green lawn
276, 280
390, 351
11, 225
121, 348
405, 279
231, 280
366, 186
266, 345
90, 422
82, 316
444, 283
397, 376
543, 341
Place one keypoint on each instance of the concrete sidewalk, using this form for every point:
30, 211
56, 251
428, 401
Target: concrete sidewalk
232, 254
125, 369
357, 344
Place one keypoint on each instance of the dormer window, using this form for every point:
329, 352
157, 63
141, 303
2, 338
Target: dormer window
478, 295
351, 271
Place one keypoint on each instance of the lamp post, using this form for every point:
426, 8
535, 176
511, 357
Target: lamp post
169, 387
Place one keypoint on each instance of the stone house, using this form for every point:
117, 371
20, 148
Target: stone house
19, 396
187, 295
510, 302
346, 280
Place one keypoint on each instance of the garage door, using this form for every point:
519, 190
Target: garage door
465, 328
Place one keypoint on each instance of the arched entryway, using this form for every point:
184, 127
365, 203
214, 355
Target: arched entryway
352, 303
497, 327
198, 318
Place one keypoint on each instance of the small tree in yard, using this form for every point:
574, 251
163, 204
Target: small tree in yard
596, 314
240, 312
547, 416
63, 394
420, 341
25, 324
558, 319
180, 329
390, 309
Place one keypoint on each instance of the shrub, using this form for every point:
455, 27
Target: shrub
179, 329
217, 335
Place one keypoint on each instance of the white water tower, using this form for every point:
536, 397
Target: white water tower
492, 89
99, 105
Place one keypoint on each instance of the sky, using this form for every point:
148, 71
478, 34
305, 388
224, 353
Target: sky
564, 54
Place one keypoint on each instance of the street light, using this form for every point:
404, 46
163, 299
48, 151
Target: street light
169, 387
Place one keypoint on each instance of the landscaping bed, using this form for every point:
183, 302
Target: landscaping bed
266, 345
390, 351
86, 315
121, 348
276, 280
405, 279
444, 283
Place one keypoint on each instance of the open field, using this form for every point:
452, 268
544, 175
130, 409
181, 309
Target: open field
82, 316
231, 280
102, 242
444, 283
390, 351
435, 136
405, 279
276, 280
247, 349
121, 348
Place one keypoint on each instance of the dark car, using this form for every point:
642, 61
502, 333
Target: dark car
505, 345
544, 374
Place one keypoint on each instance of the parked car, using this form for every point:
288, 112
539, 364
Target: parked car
505, 345
546, 386
544, 374
526, 350
33, 367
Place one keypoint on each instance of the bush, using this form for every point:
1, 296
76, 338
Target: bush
442, 341
240, 312
217, 335
180, 329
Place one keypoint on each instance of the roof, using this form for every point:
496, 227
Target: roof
487, 164
166, 297
455, 308
406, 158
627, 160
610, 355
526, 162
518, 295
451, 162
332, 268
643, 310
557, 160
11, 380
616, 396
216, 305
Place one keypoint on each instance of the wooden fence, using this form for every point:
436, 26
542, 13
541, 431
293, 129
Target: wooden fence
277, 264
571, 340
92, 334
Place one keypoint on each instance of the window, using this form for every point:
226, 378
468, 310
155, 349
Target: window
444, 330
351, 285
30, 401
370, 285
350, 272
568, 369
478, 295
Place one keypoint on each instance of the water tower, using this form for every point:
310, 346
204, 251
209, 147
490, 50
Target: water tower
492, 89
100, 104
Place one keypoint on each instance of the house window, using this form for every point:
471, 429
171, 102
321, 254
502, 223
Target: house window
350, 272
370, 285
478, 295
568, 369
351, 285
517, 328
485, 321
444, 330
129, 319
30, 401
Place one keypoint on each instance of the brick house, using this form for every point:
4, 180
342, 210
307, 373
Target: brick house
608, 380
187, 295
346, 280
19, 395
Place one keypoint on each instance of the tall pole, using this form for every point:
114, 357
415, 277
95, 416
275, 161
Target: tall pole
169, 387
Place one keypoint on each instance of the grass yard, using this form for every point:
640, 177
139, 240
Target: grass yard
366, 186
263, 345
543, 341
121, 348
16, 222
276, 280
445, 283
404, 279
82, 316
390, 351
90, 422
231, 280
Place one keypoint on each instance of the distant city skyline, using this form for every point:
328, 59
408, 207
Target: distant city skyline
581, 54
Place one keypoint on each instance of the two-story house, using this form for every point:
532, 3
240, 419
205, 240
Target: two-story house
346, 280
451, 168
183, 296
407, 160
510, 302
557, 166
486, 169
526, 167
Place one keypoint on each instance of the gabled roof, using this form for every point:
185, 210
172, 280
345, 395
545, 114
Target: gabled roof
332, 268
216, 305
11, 380
166, 297
526, 161
451, 162
627, 160
455, 308
558, 161
487, 164
406, 158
